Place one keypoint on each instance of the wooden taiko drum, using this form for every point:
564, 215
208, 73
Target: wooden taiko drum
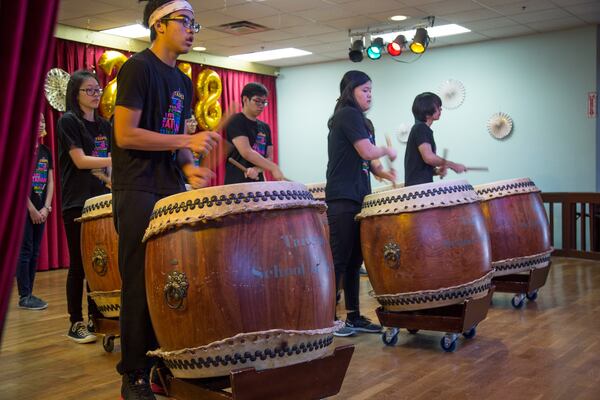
239, 276
518, 225
99, 253
425, 246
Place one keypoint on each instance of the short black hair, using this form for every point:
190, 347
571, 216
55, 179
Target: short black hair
73, 86
254, 89
148, 10
425, 105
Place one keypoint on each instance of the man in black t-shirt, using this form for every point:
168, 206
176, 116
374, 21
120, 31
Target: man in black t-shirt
150, 153
420, 160
251, 138
39, 206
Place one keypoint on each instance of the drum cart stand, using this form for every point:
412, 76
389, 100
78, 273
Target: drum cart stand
315, 379
454, 320
524, 285
109, 328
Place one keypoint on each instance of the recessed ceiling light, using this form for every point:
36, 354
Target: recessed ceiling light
436, 31
130, 31
199, 48
398, 17
271, 54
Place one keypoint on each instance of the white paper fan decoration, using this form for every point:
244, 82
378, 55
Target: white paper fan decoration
500, 125
55, 88
452, 93
402, 133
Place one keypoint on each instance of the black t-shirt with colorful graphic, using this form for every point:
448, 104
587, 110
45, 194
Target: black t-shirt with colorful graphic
164, 96
416, 171
78, 185
39, 182
347, 173
259, 137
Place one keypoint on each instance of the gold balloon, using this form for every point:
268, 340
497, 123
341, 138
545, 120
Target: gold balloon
186, 68
208, 90
110, 60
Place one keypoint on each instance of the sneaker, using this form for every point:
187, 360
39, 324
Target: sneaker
90, 325
363, 270
79, 333
344, 331
136, 386
156, 382
32, 303
38, 299
363, 324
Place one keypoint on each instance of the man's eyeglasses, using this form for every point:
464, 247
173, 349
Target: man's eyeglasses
92, 91
261, 102
186, 22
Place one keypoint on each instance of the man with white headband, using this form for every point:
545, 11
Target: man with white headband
150, 156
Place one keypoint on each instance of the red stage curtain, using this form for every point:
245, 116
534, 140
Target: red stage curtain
26, 45
71, 56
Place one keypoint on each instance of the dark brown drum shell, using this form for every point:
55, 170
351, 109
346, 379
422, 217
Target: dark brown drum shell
518, 226
438, 248
247, 272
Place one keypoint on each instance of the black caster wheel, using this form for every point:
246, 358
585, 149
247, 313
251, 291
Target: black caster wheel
532, 295
470, 334
448, 343
390, 337
518, 301
412, 331
108, 342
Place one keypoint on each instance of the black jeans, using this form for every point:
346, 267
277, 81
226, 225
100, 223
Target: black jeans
344, 239
76, 275
28, 256
131, 213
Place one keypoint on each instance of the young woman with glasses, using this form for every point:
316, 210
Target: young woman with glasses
83, 146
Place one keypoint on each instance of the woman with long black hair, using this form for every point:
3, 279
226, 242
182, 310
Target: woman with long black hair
83, 147
353, 155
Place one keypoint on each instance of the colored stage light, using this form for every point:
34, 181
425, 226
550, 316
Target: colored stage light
420, 41
376, 49
355, 53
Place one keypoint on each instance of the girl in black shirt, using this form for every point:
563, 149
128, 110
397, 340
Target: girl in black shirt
352, 156
84, 145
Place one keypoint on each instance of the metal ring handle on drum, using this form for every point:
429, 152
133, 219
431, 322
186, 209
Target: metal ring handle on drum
391, 255
100, 261
176, 289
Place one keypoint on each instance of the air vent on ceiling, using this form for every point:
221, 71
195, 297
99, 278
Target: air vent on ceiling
241, 28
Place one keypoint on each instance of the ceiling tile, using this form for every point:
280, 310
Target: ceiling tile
545, 15
281, 21
555, 24
214, 18
297, 5
472, 15
311, 29
491, 23
449, 7
507, 31
249, 11
353, 22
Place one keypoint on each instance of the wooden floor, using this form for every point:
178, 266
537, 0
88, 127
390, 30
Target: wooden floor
549, 349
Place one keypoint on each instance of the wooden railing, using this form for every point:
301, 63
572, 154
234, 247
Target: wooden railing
580, 221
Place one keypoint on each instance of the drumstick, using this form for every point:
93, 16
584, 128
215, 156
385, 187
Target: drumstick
99, 173
477, 169
388, 141
444, 156
238, 165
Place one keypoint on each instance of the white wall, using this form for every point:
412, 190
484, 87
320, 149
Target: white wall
542, 81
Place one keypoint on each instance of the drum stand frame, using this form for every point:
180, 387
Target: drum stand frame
109, 328
523, 285
315, 379
453, 320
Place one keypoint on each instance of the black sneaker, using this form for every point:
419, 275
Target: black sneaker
90, 325
156, 380
363, 324
32, 303
136, 386
79, 333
